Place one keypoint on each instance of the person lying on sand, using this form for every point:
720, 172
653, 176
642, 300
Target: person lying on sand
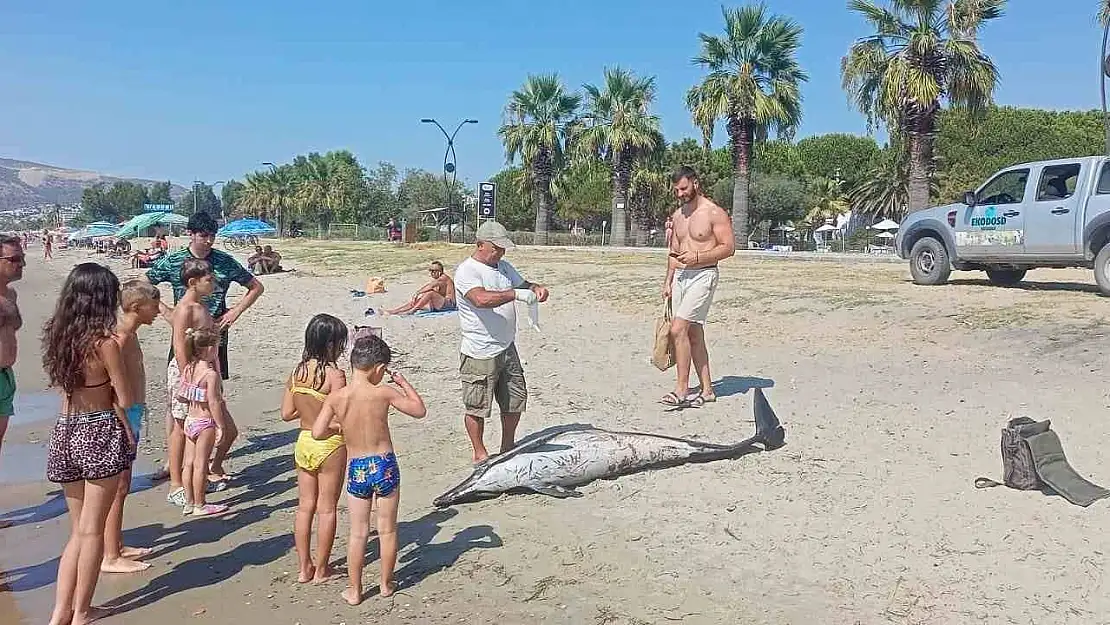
438, 295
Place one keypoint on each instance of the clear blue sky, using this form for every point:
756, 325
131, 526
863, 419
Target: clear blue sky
208, 90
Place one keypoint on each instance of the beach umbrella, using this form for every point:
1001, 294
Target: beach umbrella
95, 229
826, 228
885, 224
885, 235
172, 219
137, 224
246, 226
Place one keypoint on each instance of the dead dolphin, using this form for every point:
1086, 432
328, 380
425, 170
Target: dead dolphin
556, 461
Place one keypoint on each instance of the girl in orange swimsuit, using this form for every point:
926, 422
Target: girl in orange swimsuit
200, 389
320, 463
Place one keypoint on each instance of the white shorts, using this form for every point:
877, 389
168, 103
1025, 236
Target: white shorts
692, 292
178, 409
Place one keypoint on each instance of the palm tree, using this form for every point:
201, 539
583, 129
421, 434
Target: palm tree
754, 85
922, 51
266, 190
538, 119
885, 190
828, 202
651, 198
617, 129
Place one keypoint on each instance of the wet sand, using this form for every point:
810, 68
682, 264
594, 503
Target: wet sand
892, 396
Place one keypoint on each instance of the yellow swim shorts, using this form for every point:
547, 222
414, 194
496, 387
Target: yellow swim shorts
310, 454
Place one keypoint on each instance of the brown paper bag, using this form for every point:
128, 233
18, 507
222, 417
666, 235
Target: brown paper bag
662, 354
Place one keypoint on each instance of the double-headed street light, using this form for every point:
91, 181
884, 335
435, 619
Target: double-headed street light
449, 169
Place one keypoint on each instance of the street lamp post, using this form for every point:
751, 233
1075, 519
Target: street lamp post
213, 187
449, 168
281, 198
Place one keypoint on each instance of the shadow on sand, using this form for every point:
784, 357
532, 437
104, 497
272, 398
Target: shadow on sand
428, 557
1074, 287
165, 540
55, 505
266, 442
731, 385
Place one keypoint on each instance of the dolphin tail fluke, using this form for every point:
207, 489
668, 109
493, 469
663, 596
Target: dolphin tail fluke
768, 430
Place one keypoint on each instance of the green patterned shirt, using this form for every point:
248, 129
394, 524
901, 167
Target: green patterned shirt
224, 265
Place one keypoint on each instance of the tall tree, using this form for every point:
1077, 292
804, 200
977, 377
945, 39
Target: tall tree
538, 121
160, 193
921, 52
754, 84
231, 196
206, 202
618, 129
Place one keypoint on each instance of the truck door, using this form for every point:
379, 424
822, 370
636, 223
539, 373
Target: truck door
994, 227
1052, 228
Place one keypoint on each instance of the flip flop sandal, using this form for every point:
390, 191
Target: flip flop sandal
696, 402
672, 400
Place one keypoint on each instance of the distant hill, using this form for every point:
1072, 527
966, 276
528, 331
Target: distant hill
23, 183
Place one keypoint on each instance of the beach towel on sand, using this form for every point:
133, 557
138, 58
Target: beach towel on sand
433, 313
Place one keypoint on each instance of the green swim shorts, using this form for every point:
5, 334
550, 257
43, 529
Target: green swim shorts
7, 392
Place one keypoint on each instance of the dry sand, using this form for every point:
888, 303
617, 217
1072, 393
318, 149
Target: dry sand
892, 396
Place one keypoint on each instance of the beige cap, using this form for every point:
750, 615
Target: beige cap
494, 232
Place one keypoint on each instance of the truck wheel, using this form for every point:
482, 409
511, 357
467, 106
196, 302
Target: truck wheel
1005, 277
929, 262
1102, 269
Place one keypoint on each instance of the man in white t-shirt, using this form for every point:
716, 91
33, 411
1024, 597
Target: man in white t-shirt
486, 291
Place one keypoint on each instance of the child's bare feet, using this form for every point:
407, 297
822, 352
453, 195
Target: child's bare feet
388, 588
352, 596
323, 574
93, 614
135, 553
306, 574
123, 565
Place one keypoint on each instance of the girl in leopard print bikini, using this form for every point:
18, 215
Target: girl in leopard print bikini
92, 443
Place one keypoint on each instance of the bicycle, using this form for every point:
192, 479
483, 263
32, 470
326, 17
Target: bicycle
238, 241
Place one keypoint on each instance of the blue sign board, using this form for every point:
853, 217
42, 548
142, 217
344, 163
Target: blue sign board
158, 208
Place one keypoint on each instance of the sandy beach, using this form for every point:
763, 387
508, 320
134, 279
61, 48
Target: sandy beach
892, 396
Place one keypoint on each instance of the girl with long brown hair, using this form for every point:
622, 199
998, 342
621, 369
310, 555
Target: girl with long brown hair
91, 444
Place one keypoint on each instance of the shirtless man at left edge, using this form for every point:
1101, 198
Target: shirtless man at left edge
12, 261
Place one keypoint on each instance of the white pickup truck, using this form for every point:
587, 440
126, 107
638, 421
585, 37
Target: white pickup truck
1041, 214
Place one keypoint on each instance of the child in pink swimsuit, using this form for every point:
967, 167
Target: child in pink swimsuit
200, 389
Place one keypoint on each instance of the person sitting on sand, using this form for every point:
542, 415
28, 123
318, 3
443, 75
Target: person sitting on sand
436, 296
256, 261
272, 258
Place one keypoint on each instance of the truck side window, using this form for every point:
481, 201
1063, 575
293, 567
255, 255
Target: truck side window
1104, 180
1006, 188
1058, 182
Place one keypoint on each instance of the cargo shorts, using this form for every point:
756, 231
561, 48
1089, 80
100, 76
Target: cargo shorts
499, 378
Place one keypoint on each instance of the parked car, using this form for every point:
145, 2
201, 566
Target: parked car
1041, 214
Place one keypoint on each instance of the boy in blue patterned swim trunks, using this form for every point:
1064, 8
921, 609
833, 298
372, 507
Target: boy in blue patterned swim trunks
360, 411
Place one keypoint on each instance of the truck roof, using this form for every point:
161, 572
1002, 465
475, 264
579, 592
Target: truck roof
1091, 160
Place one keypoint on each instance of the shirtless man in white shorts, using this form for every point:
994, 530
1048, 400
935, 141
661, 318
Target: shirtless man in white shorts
702, 237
